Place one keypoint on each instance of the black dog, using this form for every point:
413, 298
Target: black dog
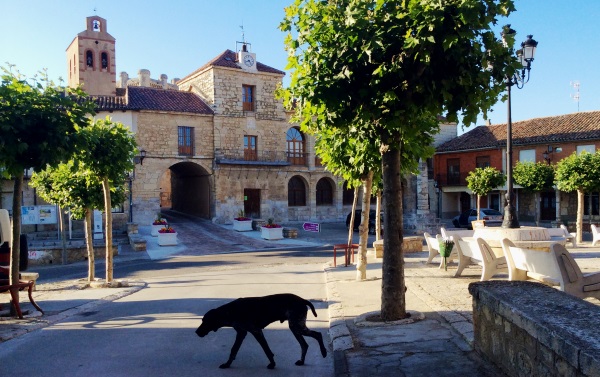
252, 314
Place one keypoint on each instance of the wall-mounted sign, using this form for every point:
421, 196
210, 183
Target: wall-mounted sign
32, 215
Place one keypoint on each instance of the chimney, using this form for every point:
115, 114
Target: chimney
124, 78
164, 80
144, 76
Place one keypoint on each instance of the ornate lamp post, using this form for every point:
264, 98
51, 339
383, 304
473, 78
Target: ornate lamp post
519, 79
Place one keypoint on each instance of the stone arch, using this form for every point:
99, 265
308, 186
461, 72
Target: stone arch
297, 191
188, 189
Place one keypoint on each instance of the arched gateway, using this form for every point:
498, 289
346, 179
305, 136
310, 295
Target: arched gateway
187, 190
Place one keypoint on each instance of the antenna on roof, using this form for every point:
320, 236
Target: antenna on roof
243, 42
243, 36
575, 96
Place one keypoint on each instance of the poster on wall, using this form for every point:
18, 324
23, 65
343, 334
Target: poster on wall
35, 215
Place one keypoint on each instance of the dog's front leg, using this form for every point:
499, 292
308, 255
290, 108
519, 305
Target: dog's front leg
258, 334
239, 338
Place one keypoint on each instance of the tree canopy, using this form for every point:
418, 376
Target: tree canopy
385, 71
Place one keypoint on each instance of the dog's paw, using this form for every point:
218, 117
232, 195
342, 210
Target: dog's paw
224, 366
271, 366
299, 362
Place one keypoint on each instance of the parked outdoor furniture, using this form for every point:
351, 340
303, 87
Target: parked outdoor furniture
14, 289
570, 237
348, 252
446, 233
477, 251
561, 234
556, 267
433, 247
595, 234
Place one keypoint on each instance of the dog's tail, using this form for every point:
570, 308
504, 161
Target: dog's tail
310, 305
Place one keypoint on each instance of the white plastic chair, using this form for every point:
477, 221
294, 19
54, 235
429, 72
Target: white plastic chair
570, 237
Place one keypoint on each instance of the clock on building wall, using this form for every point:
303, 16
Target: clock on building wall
248, 60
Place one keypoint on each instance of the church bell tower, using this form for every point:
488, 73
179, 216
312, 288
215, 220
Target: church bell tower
91, 59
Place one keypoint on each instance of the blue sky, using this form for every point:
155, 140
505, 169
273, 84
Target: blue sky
177, 37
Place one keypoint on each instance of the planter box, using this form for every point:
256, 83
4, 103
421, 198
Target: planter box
155, 229
242, 226
271, 233
167, 239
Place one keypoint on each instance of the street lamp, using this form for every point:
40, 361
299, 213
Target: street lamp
518, 79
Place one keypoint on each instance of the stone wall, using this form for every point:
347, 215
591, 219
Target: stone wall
529, 329
76, 252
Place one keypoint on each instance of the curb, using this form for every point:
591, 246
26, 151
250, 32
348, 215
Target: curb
338, 329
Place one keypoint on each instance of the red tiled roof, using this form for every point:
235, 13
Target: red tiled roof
109, 103
142, 98
562, 128
228, 59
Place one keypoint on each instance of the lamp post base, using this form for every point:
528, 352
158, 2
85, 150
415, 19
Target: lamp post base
510, 218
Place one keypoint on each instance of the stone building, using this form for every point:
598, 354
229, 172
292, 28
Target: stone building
218, 141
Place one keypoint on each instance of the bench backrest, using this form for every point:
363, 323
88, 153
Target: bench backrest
537, 261
469, 248
556, 232
571, 276
460, 233
432, 242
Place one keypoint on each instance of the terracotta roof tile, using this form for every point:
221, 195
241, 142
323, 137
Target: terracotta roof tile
109, 103
142, 98
228, 59
561, 128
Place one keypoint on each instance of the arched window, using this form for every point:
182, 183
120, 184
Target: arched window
296, 192
324, 192
295, 147
104, 61
89, 59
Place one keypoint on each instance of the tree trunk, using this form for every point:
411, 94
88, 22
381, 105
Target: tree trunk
478, 209
89, 241
393, 303
108, 214
351, 229
378, 219
63, 238
580, 204
15, 250
537, 208
361, 266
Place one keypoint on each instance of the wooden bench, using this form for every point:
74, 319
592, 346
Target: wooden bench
477, 251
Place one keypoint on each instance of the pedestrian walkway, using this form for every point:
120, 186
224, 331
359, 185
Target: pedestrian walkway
435, 341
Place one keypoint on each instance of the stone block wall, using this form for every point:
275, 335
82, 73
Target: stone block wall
529, 329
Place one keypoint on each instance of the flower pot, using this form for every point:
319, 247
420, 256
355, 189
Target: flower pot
155, 229
271, 233
242, 225
167, 239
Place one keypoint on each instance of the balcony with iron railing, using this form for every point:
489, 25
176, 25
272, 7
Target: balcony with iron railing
270, 158
445, 180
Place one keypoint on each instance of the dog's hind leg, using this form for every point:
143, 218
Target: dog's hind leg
239, 338
303, 346
258, 334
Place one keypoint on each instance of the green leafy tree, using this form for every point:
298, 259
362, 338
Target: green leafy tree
37, 128
579, 173
386, 70
483, 180
534, 177
70, 186
107, 150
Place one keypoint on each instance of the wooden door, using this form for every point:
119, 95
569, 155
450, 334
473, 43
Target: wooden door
548, 206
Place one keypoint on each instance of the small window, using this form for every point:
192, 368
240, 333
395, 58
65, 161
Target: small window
324, 192
482, 162
296, 192
250, 153
89, 59
587, 148
185, 141
527, 155
453, 171
104, 60
248, 97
